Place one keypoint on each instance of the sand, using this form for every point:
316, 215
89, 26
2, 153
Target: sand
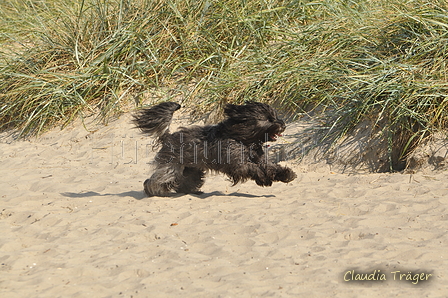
75, 223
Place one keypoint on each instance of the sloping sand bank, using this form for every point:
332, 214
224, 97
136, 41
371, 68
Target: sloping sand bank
75, 223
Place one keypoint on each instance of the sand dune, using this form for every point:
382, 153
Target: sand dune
75, 223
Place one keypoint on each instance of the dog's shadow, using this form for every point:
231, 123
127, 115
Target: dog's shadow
233, 194
140, 195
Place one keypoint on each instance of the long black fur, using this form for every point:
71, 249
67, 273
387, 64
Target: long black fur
233, 147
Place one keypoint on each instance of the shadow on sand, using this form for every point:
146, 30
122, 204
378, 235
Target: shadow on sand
140, 195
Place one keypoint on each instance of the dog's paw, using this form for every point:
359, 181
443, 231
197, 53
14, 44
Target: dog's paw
285, 175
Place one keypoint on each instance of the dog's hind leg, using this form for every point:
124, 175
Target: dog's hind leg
191, 181
161, 182
153, 187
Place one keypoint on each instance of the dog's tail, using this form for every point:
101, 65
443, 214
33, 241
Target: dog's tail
156, 120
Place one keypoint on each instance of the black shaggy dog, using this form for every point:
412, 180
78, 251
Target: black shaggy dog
233, 147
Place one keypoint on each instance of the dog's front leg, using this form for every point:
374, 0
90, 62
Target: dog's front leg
248, 171
284, 174
275, 172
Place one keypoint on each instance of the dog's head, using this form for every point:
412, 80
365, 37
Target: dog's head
253, 122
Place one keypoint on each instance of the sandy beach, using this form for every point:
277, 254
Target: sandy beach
75, 223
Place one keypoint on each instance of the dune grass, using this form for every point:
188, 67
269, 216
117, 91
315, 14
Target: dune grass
351, 61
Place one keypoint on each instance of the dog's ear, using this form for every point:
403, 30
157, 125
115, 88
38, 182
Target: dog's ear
239, 112
249, 110
232, 111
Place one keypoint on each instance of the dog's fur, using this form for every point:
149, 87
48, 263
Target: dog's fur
233, 147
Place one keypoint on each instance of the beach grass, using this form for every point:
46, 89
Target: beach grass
347, 61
